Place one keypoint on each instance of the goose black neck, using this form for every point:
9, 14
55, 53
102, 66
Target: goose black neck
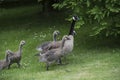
72, 28
54, 37
7, 58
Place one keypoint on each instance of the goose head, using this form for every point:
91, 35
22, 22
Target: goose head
8, 55
22, 42
8, 52
65, 37
56, 32
75, 18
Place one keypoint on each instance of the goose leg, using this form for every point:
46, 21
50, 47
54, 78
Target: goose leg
9, 66
59, 61
18, 63
47, 66
66, 60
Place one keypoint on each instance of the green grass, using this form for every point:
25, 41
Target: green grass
91, 59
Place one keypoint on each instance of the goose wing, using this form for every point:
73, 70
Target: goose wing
54, 45
49, 46
50, 55
43, 46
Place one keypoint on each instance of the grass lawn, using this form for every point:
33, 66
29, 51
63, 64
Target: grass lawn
91, 59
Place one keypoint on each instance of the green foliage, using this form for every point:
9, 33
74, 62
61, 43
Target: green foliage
102, 15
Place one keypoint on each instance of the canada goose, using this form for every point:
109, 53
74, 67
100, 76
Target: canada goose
55, 34
69, 44
4, 63
46, 45
53, 55
15, 57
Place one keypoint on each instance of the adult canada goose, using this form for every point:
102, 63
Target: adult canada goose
4, 63
15, 57
68, 46
46, 45
53, 55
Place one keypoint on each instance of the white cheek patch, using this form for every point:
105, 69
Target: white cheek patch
73, 18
